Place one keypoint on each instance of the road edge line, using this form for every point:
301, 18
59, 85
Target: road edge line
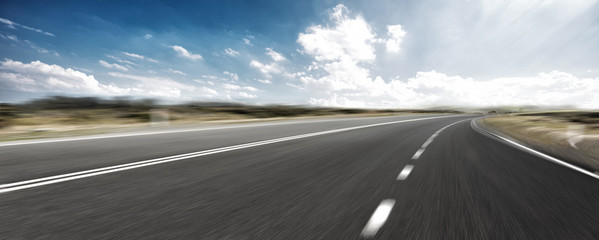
547, 157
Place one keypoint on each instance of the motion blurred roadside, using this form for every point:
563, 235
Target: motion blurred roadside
569, 135
61, 116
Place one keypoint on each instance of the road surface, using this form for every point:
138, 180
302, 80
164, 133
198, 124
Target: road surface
399, 177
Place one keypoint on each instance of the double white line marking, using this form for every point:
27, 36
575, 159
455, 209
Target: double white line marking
122, 167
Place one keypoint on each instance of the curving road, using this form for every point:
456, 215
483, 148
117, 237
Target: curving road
400, 177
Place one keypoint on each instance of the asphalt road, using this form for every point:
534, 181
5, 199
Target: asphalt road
368, 180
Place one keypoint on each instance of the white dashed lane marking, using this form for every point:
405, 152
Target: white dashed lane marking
405, 172
379, 217
417, 154
430, 140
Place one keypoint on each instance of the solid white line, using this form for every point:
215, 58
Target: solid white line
532, 151
122, 167
405, 172
379, 217
134, 134
417, 154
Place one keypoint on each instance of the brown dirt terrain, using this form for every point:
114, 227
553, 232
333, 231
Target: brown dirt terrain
569, 135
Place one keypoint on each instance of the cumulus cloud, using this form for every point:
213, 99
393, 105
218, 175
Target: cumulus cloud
433, 89
266, 69
231, 52
338, 50
156, 86
232, 76
237, 87
207, 92
269, 68
344, 49
182, 52
265, 81
14, 25
274, 55
246, 95
40, 77
348, 38
395, 34
231, 86
113, 65
336, 101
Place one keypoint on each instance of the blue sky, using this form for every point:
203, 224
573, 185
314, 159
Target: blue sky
388, 54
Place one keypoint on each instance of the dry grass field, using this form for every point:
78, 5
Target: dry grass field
570, 134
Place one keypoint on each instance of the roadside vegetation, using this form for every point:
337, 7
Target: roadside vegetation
572, 135
67, 116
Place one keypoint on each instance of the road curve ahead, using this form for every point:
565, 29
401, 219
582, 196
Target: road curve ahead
400, 177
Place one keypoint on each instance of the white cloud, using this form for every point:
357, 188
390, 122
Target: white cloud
265, 81
247, 42
229, 86
122, 60
9, 37
251, 89
209, 91
134, 55
156, 86
437, 89
348, 38
274, 55
340, 75
232, 76
113, 65
336, 101
246, 95
40, 49
212, 77
148, 36
10, 23
182, 52
176, 72
13, 25
231, 52
339, 49
40, 77
141, 57
300, 88
267, 69
395, 33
